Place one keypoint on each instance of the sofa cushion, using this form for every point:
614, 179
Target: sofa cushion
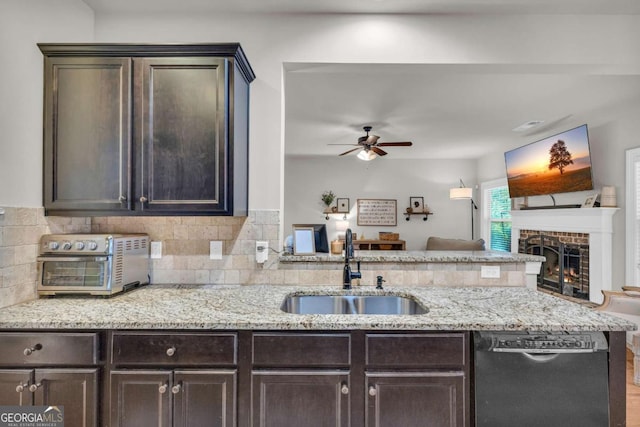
442, 244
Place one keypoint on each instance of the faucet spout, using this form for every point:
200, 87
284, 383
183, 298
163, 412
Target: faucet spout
347, 274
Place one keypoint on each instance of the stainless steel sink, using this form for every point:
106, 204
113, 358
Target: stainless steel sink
352, 304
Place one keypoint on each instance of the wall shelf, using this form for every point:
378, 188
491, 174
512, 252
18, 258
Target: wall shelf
425, 214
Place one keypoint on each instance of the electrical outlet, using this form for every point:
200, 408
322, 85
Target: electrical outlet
262, 251
215, 249
156, 250
490, 272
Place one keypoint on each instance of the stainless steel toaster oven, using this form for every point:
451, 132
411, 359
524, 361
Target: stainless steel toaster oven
94, 264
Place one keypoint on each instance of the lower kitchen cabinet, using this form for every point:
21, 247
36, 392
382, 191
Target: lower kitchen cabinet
415, 399
163, 379
300, 398
74, 389
52, 369
173, 398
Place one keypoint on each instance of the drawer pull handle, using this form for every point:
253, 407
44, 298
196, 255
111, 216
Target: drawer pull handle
176, 389
21, 387
163, 389
143, 199
171, 351
28, 351
344, 389
34, 387
372, 391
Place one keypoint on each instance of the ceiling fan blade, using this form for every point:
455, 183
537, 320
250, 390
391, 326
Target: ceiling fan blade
396, 144
378, 151
347, 152
355, 145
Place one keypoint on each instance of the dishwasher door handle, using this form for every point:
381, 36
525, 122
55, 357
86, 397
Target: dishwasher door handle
541, 358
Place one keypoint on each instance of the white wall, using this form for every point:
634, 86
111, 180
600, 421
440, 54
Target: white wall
23, 24
306, 178
271, 40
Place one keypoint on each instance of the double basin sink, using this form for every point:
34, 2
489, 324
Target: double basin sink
352, 304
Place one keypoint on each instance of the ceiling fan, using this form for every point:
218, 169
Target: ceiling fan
370, 147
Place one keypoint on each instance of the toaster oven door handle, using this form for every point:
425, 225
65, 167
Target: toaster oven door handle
74, 258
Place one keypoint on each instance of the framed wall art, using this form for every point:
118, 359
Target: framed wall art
378, 212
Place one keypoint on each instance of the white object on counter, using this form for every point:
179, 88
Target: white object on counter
1, 211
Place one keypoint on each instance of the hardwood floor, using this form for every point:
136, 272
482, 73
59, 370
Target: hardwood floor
633, 395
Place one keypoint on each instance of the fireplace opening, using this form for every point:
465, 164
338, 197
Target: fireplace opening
566, 269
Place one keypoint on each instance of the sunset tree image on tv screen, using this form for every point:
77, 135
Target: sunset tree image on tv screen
558, 164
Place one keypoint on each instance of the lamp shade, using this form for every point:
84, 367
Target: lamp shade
461, 193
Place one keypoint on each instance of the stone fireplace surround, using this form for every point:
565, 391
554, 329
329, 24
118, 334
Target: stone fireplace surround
596, 222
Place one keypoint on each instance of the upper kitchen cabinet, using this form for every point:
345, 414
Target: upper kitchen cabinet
146, 129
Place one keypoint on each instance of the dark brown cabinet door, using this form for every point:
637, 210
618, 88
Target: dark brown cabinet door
74, 389
181, 112
140, 398
204, 398
87, 137
14, 387
296, 398
434, 399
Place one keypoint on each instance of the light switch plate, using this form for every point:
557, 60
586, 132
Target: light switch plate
215, 249
156, 250
490, 272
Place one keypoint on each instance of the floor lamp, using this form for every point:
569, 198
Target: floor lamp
464, 193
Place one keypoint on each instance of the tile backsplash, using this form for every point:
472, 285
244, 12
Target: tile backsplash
20, 231
185, 246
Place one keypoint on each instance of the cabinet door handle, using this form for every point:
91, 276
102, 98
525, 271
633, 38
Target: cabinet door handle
34, 387
143, 199
171, 351
176, 389
122, 199
372, 391
29, 350
163, 388
344, 389
21, 387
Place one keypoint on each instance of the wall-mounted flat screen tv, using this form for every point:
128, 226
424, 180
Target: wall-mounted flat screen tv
557, 164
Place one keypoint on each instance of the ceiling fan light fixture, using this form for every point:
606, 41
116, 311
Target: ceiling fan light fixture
367, 155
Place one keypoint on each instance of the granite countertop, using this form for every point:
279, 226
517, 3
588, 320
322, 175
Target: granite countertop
258, 308
419, 256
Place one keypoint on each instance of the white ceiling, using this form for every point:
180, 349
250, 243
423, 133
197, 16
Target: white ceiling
447, 111
374, 6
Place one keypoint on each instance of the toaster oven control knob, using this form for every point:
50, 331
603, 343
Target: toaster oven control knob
92, 245
66, 246
79, 246
54, 245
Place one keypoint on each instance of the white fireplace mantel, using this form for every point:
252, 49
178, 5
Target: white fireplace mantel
597, 222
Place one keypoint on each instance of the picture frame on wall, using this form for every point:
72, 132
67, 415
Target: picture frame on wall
343, 205
416, 204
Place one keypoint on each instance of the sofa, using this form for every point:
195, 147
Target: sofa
442, 244
626, 305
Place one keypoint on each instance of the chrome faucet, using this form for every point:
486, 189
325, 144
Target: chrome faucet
347, 274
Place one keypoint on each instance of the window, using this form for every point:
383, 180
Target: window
633, 218
496, 215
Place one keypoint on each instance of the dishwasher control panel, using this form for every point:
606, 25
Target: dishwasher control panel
541, 342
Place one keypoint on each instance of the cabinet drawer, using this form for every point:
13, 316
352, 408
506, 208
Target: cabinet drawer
301, 350
47, 349
416, 350
185, 349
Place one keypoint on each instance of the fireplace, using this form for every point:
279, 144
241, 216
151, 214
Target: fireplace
595, 223
566, 269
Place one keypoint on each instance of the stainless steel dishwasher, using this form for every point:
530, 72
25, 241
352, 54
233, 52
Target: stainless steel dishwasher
541, 379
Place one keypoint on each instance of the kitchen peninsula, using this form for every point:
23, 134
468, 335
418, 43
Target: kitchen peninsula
236, 342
